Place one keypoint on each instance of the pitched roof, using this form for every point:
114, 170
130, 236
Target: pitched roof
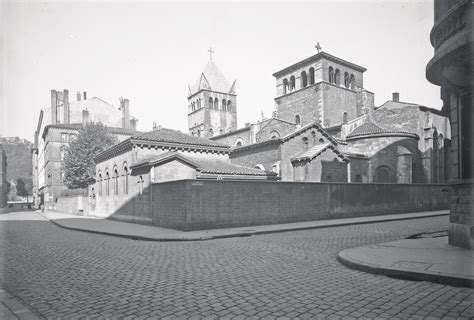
315, 151
212, 79
174, 136
370, 129
314, 125
396, 104
204, 166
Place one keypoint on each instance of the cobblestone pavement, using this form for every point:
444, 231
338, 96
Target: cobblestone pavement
67, 274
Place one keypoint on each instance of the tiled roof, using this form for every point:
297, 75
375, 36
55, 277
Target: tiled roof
396, 105
372, 129
212, 79
315, 151
205, 166
173, 136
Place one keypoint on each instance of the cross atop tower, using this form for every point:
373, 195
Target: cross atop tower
210, 53
318, 47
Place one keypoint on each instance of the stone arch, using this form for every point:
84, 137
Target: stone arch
331, 74
274, 134
337, 77
216, 104
304, 79
311, 75
347, 80
229, 105
99, 180
344, 117
298, 119
352, 81
260, 167
239, 142
107, 183
224, 105
286, 86
358, 178
211, 103
211, 132
125, 177
116, 180
382, 174
292, 83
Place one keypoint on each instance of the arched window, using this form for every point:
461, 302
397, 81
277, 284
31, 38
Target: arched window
229, 106
216, 104
100, 184
311, 75
274, 134
321, 140
211, 132
223, 105
125, 180
292, 83
328, 178
358, 178
211, 103
352, 82
337, 77
286, 87
239, 142
313, 135
304, 79
344, 117
382, 175
107, 186
347, 80
305, 142
140, 184
116, 182
221, 131
331, 75
297, 119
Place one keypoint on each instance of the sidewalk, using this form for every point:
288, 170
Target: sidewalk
150, 233
12, 309
427, 259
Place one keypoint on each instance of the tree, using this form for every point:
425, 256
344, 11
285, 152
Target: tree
79, 166
21, 188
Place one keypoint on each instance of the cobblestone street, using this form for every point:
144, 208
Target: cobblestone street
65, 274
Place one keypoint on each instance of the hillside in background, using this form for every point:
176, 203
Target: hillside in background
19, 159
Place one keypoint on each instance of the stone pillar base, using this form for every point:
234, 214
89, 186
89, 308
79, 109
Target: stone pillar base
461, 217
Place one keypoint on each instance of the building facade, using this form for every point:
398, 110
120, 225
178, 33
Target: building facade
451, 68
323, 111
58, 125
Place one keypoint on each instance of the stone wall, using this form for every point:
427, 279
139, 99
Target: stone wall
194, 205
78, 205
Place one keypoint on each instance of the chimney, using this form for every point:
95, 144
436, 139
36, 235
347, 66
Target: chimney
396, 97
54, 111
66, 105
156, 126
78, 96
133, 124
85, 95
85, 117
124, 106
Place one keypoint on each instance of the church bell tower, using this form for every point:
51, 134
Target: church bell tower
212, 103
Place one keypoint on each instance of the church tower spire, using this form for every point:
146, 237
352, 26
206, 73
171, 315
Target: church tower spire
212, 103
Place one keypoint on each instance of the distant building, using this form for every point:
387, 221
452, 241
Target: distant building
451, 68
3, 178
58, 125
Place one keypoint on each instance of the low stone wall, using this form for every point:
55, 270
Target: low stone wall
197, 204
78, 205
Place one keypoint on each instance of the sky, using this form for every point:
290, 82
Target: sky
149, 52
